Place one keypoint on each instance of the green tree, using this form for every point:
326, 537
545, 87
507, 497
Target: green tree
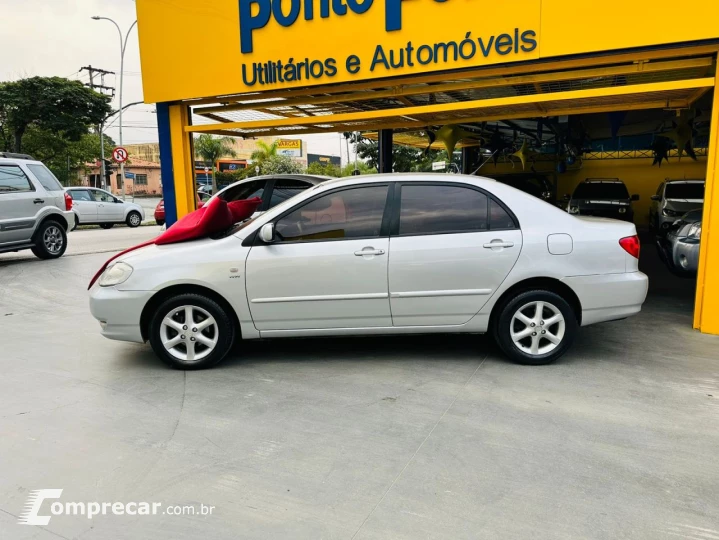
210, 148
404, 158
264, 152
52, 104
323, 169
279, 164
362, 167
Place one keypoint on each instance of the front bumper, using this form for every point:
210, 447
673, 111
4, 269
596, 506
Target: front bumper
684, 253
119, 312
607, 297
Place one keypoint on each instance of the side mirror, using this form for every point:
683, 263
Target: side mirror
267, 233
635, 197
567, 197
655, 198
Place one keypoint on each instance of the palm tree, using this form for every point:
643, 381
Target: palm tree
210, 148
264, 151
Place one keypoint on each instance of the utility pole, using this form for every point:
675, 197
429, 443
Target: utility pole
101, 87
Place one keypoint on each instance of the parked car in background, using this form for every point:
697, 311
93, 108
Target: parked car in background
35, 210
272, 189
602, 197
673, 199
202, 198
679, 249
374, 255
93, 206
536, 185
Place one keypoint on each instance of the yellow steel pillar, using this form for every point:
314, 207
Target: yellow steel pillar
183, 161
706, 308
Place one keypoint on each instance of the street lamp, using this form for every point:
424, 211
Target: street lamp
123, 45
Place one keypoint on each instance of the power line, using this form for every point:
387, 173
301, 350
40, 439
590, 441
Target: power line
101, 87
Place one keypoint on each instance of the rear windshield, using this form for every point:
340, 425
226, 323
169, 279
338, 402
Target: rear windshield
603, 190
46, 178
684, 191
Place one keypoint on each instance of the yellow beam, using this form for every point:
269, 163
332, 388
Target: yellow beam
182, 160
706, 306
465, 105
536, 79
496, 71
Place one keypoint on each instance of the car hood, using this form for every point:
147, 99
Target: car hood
683, 205
155, 256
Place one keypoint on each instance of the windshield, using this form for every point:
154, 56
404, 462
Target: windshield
684, 191
601, 190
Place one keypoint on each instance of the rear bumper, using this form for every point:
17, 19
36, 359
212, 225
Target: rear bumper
607, 297
69, 216
118, 312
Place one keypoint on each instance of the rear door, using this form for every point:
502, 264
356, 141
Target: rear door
54, 192
84, 205
19, 204
452, 246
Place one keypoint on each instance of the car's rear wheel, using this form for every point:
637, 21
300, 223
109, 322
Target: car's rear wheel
50, 240
107, 225
133, 219
535, 327
160, 222
191, 331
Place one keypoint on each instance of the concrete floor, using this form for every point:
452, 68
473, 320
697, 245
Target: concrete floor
402, 438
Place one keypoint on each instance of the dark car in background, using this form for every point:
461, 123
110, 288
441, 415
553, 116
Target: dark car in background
536, 185
602, 197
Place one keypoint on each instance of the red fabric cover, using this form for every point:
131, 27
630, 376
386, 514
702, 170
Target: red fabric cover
216, 216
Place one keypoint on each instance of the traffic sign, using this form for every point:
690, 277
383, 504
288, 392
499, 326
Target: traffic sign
119, 154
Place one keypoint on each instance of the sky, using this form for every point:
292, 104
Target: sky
58, 37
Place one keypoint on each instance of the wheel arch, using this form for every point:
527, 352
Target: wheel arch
52, 216
538, 283
163, 294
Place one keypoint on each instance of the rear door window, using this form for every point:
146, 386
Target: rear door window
245, 190
13, 180
45, 177
286, 188
434, 209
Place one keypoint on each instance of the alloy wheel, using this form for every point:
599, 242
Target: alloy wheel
134, 220
189, 333
537, 328
52, 239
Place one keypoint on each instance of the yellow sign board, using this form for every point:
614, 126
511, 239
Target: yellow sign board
289, 144
274, 44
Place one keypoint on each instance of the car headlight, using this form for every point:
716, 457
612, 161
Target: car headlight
115, 275
668, 212
573, 209
695, 231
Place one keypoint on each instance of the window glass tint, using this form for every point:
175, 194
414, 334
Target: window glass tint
684, 191
498, 217
441, 209
285, 189
243, 191
46, 178
12, 179
601, 190
101, 196
352, 213
80, 195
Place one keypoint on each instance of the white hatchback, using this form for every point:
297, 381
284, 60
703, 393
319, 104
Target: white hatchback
383, 254
94, 206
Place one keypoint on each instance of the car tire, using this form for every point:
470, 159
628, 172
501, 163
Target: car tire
134, 219
50, 240
522, 333
76, 225
168, 324
160, 222
107, 225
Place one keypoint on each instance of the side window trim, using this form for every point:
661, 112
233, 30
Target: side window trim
397, 204
384, 227
29, 182
267, 194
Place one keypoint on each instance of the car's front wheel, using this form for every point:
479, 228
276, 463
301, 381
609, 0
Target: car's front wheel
535, 327
50, 241
191, 331
134, 219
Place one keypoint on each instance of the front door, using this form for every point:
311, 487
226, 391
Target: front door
451, 249
327, 267
108, 209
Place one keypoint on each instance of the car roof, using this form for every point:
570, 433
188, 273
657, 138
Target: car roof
686, 181
603, 181
16, 161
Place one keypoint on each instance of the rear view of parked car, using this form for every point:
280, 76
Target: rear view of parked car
673, 199
602, 197
94, 206
35, 210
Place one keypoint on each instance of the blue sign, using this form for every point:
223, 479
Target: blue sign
129, 175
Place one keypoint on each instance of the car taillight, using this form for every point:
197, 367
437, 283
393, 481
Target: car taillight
68, 201
631, 245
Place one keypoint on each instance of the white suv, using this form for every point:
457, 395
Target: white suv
35, 210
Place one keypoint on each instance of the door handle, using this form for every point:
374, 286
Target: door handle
369, 251
38, 201
498, 244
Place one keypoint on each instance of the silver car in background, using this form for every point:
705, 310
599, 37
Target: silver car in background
680, 248
673, 199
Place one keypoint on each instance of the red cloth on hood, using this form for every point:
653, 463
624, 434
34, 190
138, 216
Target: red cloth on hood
216, 216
